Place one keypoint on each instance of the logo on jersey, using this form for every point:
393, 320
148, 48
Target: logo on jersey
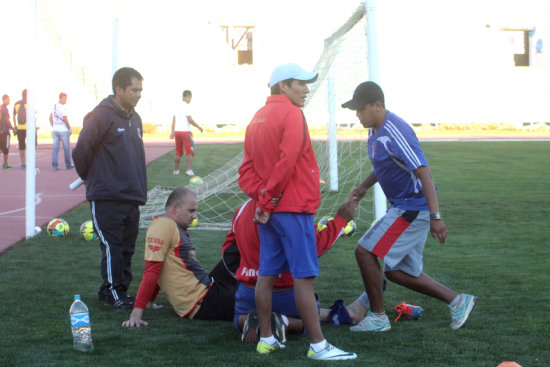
155, 243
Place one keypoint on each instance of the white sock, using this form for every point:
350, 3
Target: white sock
317, 347
269, 340
285, 320
455, 301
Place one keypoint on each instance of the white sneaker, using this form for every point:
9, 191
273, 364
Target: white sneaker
460, 312
330, 353
176, 171
372, 322
190, 172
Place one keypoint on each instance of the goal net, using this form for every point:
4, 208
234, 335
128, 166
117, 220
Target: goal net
343, 161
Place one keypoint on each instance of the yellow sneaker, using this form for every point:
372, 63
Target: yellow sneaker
265, 348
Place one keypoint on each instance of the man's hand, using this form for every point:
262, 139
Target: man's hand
134, 322
172, 135
273, 201
438, 230
261, 217
357, 194
347, 210
135, 319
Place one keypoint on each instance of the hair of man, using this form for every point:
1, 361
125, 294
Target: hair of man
276, 89
178, 196
187, 93
123, 78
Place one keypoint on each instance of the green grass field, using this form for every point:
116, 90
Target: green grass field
495, 197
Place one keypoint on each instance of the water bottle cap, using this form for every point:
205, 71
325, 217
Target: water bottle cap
77, 297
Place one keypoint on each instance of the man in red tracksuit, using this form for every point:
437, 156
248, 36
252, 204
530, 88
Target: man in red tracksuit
279, 172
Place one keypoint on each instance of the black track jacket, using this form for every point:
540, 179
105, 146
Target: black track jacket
109, 154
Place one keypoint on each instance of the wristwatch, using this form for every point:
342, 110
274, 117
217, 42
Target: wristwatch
435, 216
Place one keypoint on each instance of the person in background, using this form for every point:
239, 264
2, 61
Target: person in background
181, 132
61, 132
20, 122
5, 133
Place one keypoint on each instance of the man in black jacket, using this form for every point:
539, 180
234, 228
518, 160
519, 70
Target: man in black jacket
109, 156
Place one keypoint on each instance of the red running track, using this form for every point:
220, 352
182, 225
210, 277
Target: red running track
53, 196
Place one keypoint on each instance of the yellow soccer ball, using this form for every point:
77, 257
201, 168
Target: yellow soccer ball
87, 232
196, 181
350, 229
322, 224
58, 227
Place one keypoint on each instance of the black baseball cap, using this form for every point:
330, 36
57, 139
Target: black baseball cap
365, 93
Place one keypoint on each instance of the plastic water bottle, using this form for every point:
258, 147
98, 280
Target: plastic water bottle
80, 325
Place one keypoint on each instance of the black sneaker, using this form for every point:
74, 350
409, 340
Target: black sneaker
123, 303
278, 327
250, 328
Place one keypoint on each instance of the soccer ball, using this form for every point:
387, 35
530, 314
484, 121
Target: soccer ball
194, 223
322, 224
350, 229
87, 232
196, 181
58, 228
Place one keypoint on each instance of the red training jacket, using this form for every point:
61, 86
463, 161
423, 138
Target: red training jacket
278, 156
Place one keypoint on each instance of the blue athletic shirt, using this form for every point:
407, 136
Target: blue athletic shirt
395, 153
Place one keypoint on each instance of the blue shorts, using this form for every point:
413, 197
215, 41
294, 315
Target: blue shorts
399, 238
287, 242
282, 302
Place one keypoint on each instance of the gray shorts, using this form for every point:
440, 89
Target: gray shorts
399, 238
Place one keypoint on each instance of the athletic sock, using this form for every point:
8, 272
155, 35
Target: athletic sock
270, 340
317, 347
285, 320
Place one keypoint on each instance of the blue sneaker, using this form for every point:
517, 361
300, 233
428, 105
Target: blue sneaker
338, 314
460, 312
373, 322
410, 312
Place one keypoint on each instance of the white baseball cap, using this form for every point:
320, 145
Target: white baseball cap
291, 71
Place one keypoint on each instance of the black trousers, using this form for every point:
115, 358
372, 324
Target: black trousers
219, 302
117, 226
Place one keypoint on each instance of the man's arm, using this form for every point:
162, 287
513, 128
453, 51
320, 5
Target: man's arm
66, 121
437, 226
148, 290
328, 236
359, 192
93, 130
192, 122
172, 131
7, 119
15, 110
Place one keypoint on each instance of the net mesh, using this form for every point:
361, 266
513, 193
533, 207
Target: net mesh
345, 58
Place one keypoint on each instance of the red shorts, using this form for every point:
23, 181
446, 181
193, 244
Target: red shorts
184, 139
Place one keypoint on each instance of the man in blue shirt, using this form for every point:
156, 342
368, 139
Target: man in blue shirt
399, 236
